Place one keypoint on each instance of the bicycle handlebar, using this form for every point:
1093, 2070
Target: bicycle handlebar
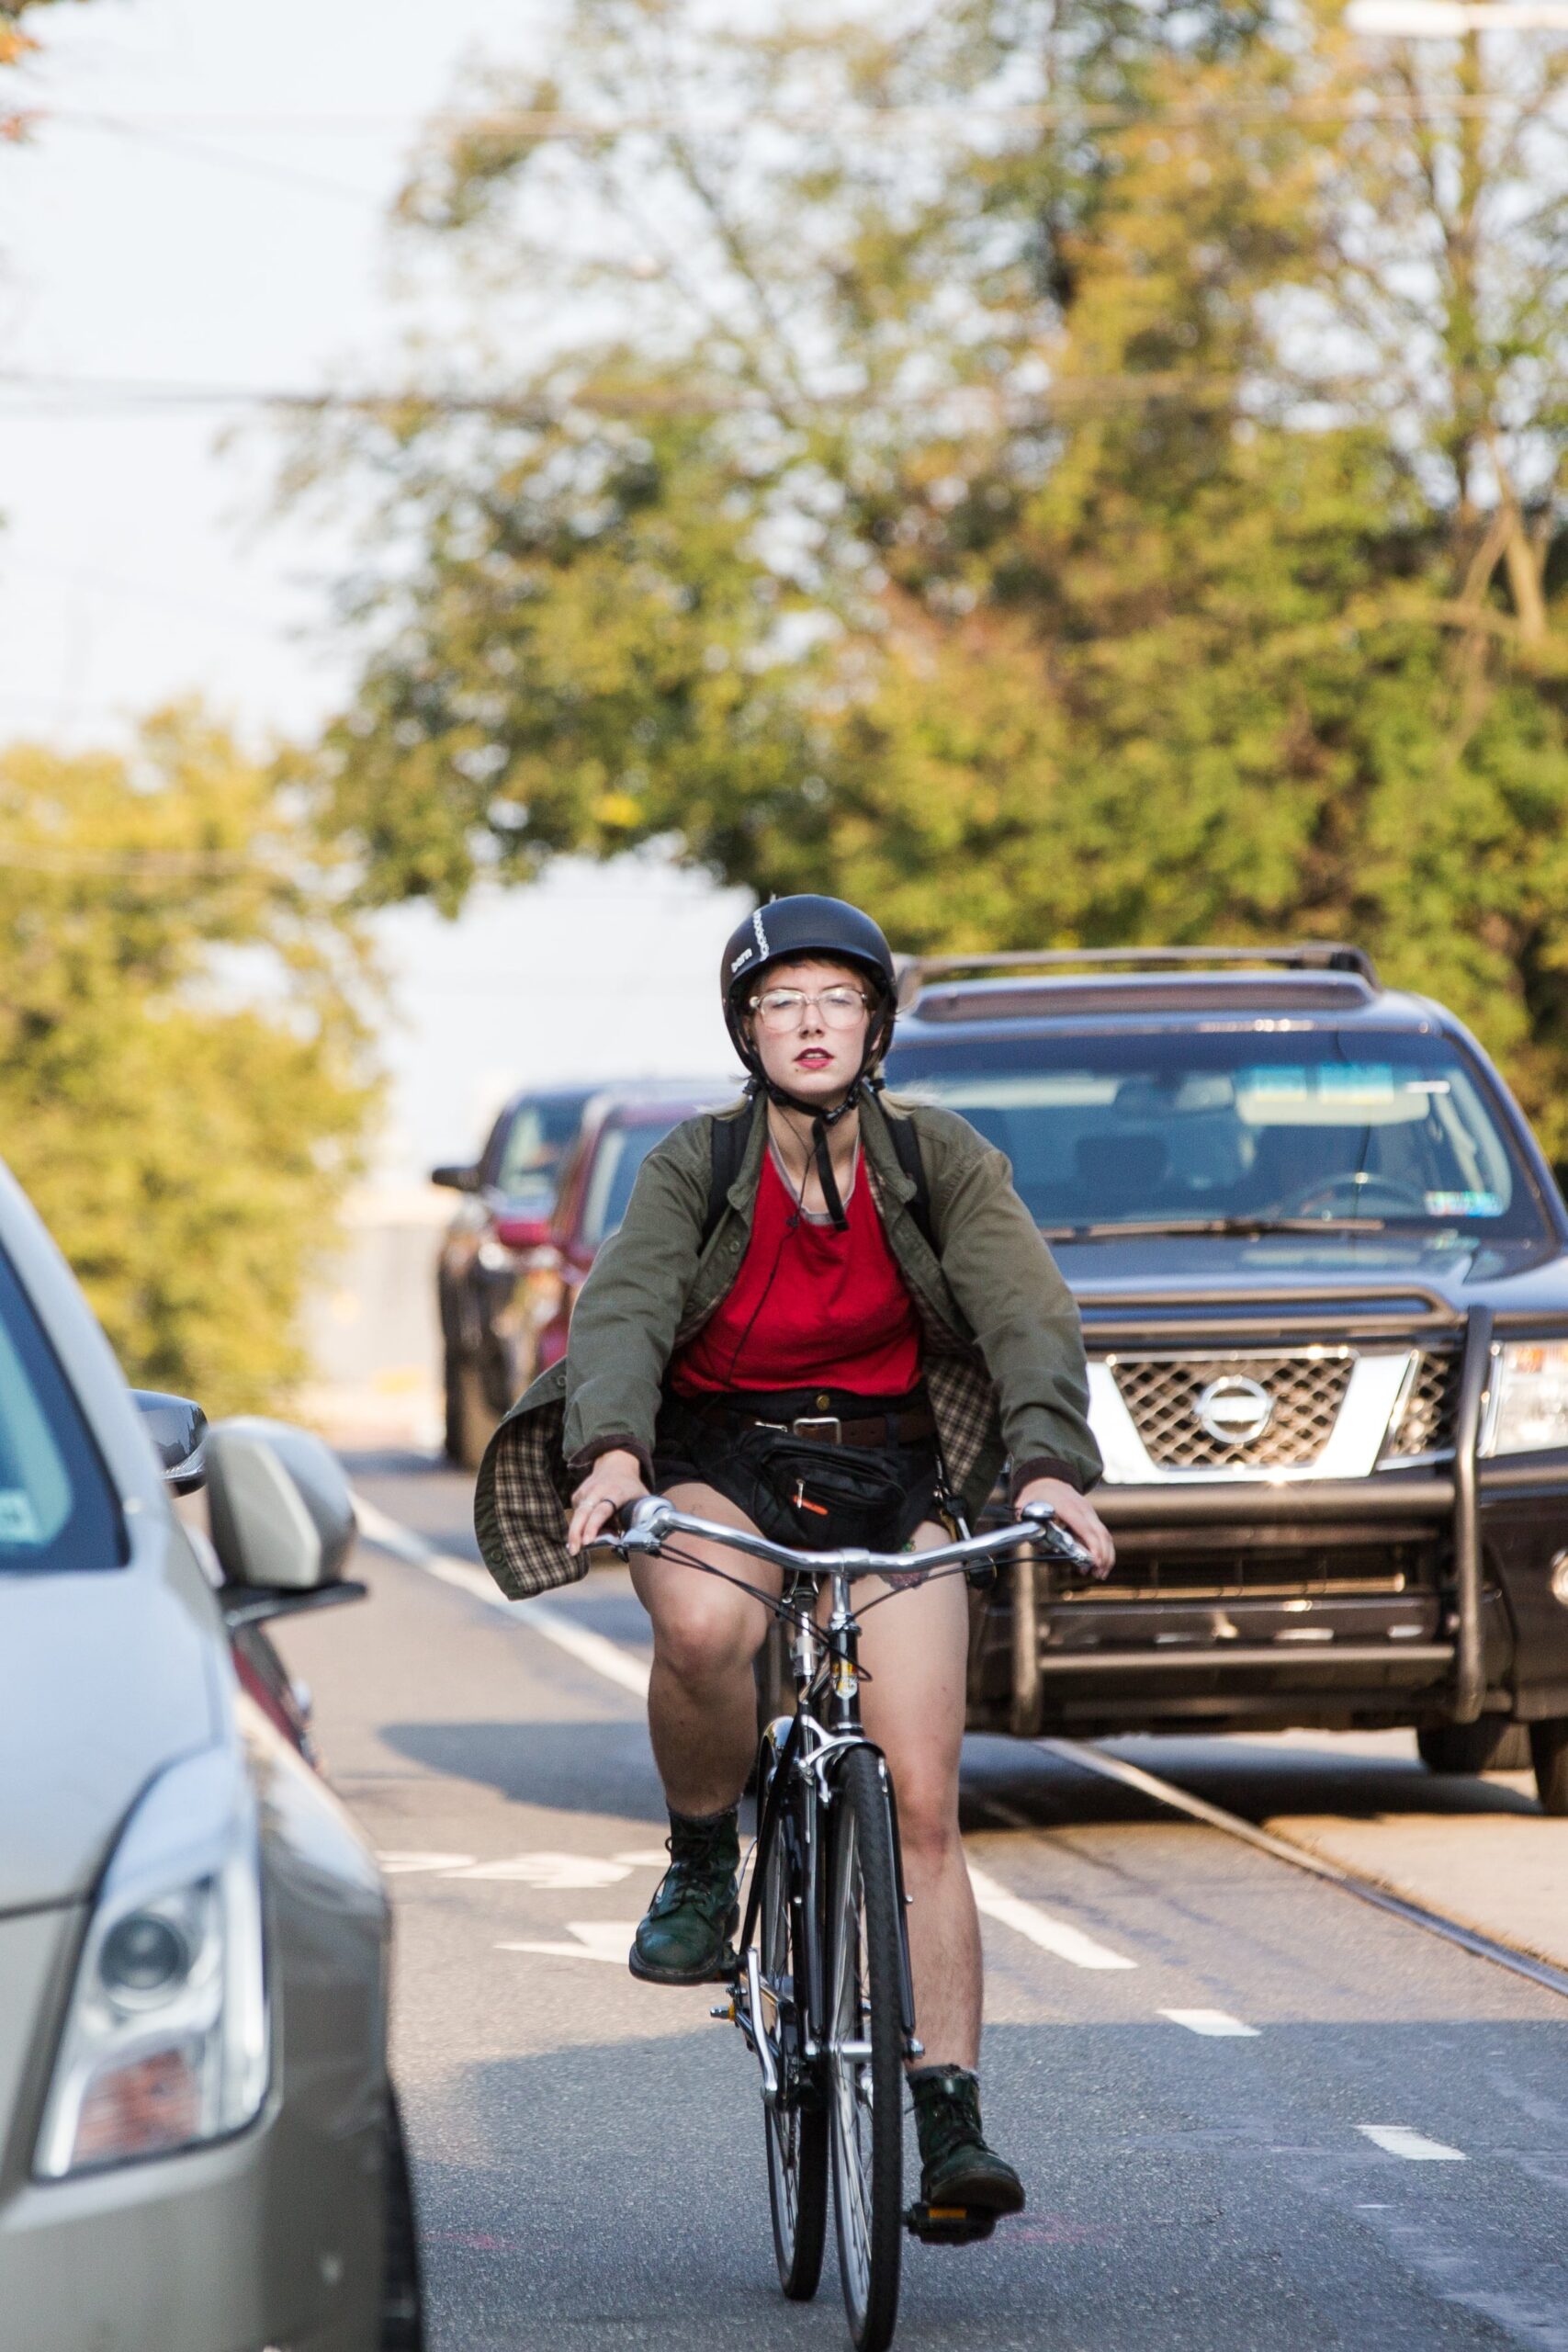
652, 1520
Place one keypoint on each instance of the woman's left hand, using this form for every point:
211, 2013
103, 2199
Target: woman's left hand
1078, 1515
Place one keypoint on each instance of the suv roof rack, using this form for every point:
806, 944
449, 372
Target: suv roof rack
1311, 956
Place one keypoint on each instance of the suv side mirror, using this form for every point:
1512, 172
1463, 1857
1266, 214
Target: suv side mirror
178, 1428
282, 1517
456, 1179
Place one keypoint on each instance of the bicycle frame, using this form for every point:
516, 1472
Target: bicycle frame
827, 1670
811, 1752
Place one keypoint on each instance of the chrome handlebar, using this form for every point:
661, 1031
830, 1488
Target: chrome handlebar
652, 1520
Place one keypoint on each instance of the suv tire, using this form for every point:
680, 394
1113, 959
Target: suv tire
1549, 1753
1493, 1745
467, 1424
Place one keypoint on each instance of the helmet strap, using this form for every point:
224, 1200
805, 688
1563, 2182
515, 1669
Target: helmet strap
822, 1124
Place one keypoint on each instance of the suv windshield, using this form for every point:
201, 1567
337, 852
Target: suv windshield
57, 1508
1184, 1128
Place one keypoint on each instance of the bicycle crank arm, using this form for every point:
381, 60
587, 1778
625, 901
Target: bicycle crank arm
750, 2020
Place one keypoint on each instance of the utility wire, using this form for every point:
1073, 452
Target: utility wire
195, 151
573, 124
93, 396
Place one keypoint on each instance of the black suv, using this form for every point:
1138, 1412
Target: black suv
1323, 1270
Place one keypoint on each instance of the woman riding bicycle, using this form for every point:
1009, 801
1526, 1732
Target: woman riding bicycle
778, 1337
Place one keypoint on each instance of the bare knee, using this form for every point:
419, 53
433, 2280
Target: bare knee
699, 1642
928, 1815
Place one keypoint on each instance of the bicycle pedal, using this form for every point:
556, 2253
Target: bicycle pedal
947, 2225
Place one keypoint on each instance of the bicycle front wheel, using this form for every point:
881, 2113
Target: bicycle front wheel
865, 2050
796, 2123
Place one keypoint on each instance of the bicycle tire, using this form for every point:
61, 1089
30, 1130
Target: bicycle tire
865, 2093
796, 2125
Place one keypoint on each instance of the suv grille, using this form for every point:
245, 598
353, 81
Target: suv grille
1305, 1392
1425, 1424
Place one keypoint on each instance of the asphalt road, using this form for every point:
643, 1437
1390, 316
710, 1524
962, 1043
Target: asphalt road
1379, 2160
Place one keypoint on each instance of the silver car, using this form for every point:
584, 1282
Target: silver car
199, 2148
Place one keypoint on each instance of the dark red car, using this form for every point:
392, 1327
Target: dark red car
619, 1129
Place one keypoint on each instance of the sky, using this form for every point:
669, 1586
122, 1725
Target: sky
162, 226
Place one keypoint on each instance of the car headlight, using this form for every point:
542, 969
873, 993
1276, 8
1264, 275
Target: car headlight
1529, 1405
166, 2040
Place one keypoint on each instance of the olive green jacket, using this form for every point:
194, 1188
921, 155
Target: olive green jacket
1003, 1356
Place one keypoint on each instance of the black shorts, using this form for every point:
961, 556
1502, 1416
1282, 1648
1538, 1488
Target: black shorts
714, 1442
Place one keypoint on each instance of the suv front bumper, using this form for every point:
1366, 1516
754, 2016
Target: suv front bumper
1405, 1597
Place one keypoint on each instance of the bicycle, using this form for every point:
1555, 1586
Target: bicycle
821, 1989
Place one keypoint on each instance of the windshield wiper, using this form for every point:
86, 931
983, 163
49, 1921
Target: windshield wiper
1146, 1229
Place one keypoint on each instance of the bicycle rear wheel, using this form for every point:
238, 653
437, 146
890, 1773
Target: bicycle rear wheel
865, 2051
796, 2123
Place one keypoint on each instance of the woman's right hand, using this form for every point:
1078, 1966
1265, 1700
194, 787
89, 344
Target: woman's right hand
615, 1480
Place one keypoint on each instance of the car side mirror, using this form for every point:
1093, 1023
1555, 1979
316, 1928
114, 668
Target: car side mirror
282, 1516
454, 1179
178, 1428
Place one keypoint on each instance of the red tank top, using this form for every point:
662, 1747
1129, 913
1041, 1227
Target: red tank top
810, 1307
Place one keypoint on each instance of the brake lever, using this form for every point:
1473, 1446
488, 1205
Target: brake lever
637, 1529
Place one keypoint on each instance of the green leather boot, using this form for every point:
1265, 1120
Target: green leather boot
957, 2169
684, 1938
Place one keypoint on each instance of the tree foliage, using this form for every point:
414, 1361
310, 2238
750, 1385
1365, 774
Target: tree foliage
1075, 474
180, 1047
16, 42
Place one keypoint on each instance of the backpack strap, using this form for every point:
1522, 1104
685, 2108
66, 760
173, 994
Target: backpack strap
907, 1144
731, 1138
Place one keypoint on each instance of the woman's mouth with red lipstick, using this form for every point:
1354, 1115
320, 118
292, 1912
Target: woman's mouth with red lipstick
814, 1057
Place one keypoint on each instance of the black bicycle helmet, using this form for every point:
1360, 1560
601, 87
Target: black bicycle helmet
789, 931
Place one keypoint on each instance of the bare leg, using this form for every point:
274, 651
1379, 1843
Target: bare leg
916, 1649
702, 1704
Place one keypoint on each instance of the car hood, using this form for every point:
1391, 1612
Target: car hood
1395, 1272
105, 1677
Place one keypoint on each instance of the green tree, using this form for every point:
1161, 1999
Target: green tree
180, 1046
1078, 475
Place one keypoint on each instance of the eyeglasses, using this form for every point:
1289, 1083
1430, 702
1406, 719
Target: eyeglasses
785, 1007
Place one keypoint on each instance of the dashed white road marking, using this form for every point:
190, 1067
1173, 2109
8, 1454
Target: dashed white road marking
557, 1625
609, 1940
400, 1863
1399, 2140
557, 1873
1050, 1934
1217, 2024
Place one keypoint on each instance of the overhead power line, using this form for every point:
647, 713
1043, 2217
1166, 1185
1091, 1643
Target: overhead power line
73, 397
586, 123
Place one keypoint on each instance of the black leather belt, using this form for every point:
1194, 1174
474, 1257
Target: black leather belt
875, 1429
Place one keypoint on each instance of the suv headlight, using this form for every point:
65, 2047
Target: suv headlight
166, 2040
1529, 1406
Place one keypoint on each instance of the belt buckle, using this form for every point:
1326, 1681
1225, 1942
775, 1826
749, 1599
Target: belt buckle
815, 1424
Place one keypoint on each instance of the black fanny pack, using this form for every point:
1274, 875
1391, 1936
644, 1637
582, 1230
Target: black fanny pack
834, 1496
